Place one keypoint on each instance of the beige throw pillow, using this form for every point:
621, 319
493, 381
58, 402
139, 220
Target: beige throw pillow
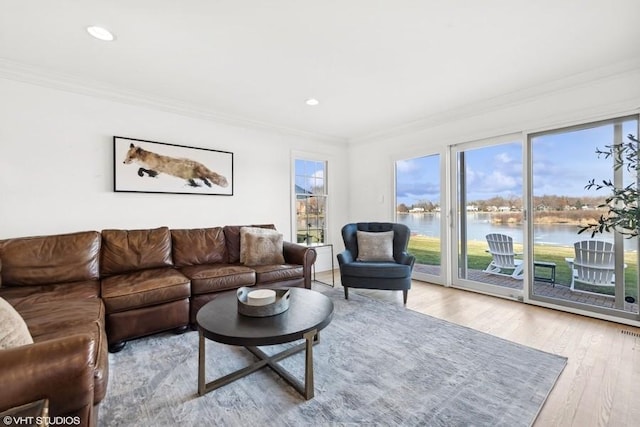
13, 330
375, 246
255, 231
259, 246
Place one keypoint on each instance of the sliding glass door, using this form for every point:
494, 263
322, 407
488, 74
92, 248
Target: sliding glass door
503, 216
488, 231
593, 272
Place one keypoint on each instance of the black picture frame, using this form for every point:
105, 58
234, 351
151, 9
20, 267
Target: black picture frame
141, 166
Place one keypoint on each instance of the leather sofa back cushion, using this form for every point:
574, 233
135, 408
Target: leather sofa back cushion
232, 236
198, 246
131, 250
54, 259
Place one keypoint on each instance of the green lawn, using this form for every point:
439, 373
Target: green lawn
427, 251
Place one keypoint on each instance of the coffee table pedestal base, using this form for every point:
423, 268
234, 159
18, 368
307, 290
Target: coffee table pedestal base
305, 389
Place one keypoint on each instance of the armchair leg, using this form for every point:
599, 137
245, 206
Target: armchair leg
405, 294
346, 292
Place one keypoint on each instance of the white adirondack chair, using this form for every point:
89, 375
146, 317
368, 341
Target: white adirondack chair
594, 263
501, 250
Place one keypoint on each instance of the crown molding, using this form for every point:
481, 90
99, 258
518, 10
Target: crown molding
507, 100
21, 72
38, 76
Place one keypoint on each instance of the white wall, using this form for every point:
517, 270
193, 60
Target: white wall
371, 167
56, 167
56, 160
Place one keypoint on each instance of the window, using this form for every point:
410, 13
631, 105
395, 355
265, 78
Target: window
418, 201
310, 191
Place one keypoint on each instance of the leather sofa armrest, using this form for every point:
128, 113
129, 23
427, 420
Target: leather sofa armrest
301, 255
60, 370
345, 257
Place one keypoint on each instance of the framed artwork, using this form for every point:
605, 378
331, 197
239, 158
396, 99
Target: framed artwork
141, 166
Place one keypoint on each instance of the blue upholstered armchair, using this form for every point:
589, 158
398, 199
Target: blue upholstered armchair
376, 257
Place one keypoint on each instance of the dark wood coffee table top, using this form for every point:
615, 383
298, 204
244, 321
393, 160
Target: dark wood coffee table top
220, 321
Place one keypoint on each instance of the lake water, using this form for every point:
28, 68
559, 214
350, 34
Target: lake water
479, 225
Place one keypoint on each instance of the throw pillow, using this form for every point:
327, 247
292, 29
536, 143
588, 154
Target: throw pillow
375, 246
263, 249
13, 330
254, 231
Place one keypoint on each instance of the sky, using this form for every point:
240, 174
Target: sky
563, 164
309, 176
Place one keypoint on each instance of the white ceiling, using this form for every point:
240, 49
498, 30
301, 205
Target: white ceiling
374, 65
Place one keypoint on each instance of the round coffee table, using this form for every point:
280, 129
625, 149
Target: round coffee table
309, 312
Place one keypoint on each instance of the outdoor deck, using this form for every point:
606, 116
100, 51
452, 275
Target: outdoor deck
559, 291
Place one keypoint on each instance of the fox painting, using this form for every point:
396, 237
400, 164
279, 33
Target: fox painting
190, 170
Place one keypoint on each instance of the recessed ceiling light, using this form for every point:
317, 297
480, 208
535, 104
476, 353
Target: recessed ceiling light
100, 33
312, 102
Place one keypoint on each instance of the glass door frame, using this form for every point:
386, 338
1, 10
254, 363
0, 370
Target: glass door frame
566, 305
455, 226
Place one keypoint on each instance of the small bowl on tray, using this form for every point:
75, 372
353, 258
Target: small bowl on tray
262, 302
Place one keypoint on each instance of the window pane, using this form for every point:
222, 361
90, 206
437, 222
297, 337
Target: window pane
418, 207
310, 201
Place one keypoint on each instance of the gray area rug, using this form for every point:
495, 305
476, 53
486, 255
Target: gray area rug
376, 364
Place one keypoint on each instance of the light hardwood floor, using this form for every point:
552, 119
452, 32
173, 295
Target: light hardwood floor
600, 386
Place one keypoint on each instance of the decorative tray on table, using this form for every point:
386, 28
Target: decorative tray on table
262, 302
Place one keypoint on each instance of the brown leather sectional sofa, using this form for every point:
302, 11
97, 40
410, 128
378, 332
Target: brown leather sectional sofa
85, 292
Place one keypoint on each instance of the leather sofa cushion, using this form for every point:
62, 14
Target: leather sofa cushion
143, 289
232, 237
277, 273
387, 270
55, 319
218, 277
45, 260
131, 250
198, 246
27, 295
59, 319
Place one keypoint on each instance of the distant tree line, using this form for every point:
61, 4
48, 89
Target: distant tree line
542, 203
